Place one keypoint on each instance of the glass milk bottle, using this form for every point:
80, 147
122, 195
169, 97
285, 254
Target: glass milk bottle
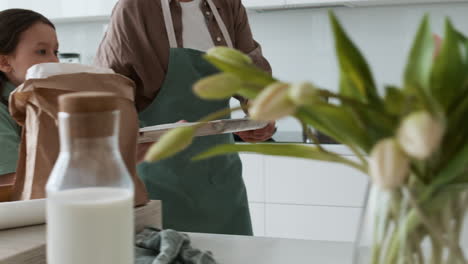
90, 191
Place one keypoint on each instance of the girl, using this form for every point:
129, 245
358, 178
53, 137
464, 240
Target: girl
26, 38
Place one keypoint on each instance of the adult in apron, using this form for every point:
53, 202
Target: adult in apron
206, 196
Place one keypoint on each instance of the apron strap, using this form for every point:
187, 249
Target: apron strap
221, 24
170, 25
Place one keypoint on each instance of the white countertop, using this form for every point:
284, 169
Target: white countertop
258, 250
28, 245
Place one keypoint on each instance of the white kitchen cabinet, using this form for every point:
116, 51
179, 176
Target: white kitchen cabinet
311, 222
86, 8
301, 181
59, 10
258, 4
257, 215
304, 199
294, 4
254, 177
48, 8
357, 3
317, 3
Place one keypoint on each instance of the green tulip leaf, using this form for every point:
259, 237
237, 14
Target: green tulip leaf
339, 123
217, 86
418, 69
457, 127
448, 73
378, 125
455, 168
313, 120
288, 150
395, 100
463, 40
356, 79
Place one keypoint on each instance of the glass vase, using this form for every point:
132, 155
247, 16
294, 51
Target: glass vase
408, 226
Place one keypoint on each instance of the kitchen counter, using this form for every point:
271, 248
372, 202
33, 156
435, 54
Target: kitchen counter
258, 250
295, 137
27, 245
298, 137
226, 249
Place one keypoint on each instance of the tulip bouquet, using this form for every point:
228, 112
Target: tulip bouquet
412, 140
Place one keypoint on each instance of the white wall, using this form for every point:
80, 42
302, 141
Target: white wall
299, 44
83, 38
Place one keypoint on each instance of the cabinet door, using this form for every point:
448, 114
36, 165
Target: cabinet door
259, 4
100, 8
86, 8
257, 215
253, 174
318, 2
312, 222
48, 8
307, 182
357, 3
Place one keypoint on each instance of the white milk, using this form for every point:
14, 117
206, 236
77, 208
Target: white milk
90, 226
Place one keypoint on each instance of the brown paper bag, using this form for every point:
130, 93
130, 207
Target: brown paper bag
34, 105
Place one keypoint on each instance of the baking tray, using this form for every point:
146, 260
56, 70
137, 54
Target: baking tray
216, 127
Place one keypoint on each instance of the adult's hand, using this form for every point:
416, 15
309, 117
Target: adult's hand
258, 135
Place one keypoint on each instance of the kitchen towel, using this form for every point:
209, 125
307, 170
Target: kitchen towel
154, 246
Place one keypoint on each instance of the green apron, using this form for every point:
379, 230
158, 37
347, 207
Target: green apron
206, 196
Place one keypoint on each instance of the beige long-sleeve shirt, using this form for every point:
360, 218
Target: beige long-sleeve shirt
136, 43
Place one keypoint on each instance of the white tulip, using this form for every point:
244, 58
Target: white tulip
171, 143
304, 93
388, 164
272, 103
218, 86
228, 55
420, 134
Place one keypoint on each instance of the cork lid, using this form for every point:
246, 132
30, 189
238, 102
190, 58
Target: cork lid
91, 114
88, 102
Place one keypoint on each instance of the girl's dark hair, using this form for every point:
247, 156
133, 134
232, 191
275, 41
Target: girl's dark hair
13, 22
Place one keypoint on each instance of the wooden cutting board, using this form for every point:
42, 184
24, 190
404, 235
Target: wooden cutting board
27, 245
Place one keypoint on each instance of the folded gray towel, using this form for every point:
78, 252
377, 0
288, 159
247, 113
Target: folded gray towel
154, 246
